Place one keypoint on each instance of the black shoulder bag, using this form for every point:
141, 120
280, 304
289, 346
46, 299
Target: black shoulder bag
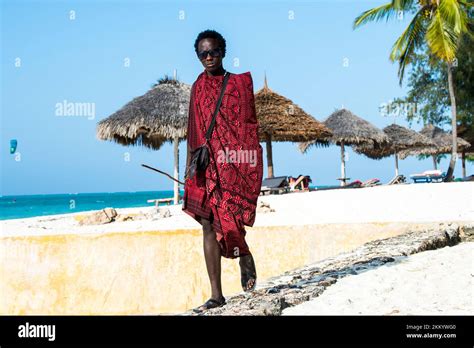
200, 156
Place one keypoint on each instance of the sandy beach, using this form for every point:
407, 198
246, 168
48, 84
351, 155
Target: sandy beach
433, 282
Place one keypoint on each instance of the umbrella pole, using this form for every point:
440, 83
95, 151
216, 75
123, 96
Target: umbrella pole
343, 165
463, 164
269, 156
396, 164
176, 169
435, 163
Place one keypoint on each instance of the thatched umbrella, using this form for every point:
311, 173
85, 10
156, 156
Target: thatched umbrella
401, 138
466, 132
281, 120
442, 141
158, 116
349, 129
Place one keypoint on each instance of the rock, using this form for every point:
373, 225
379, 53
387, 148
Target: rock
327, 281
452, 233
140, 216
467, 232
131, 217
264, 207
159, 213
300, 285
294, 299
104, 216
272, 308
315, 291
123, 217
164, 213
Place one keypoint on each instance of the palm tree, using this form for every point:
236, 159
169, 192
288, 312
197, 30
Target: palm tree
437, 23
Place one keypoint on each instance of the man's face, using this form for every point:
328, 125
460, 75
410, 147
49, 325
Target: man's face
211, 47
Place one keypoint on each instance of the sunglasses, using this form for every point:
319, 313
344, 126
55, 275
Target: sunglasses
214, 53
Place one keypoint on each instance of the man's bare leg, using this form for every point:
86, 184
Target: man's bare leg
212, 255
248, 272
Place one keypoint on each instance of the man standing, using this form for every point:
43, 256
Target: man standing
223, 199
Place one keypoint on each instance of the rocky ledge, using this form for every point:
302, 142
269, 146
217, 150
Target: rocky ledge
303, 284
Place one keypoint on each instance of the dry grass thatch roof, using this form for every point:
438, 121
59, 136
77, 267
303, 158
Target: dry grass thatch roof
351, 130
466, 133
284, 120
442, 141
151, 119
401, 138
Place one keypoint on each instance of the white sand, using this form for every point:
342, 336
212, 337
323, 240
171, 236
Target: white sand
418, 203
436, 282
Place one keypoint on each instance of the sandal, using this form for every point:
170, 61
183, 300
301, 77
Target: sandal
211, 303
248, 273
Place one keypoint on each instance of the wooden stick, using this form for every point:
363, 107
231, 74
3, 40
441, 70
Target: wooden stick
159, 171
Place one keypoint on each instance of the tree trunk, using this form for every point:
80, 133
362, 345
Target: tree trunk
176, 169
454, 152
269, 156
343, 165
396, 164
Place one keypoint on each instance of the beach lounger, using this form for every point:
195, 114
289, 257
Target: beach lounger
354, 184
428, 176
398, 179
299, 184
160, 200
276, 185
371, 182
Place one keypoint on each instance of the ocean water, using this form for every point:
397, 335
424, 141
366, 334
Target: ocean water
16, 207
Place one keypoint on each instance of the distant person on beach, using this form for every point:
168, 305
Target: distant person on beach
223, 198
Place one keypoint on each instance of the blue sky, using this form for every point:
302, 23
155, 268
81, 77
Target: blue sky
302, 46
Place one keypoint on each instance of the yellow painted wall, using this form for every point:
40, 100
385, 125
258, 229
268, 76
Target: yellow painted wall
152, 272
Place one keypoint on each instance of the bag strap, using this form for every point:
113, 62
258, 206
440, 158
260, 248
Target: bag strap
213, 121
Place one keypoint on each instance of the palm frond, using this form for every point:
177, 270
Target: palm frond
403, 5
386, 12
441, 38
466, 3
378, 13
452, 13
403, 49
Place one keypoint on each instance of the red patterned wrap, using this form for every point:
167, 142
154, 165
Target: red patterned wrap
227, 192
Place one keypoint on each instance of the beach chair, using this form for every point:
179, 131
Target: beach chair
354, 184
276, 185
467, 178
299, 184
398, 179
371, 182
428, 176
161, 200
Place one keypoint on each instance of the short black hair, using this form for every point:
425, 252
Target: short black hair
211, 34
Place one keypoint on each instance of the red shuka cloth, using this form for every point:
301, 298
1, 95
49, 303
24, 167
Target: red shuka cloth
227, 192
